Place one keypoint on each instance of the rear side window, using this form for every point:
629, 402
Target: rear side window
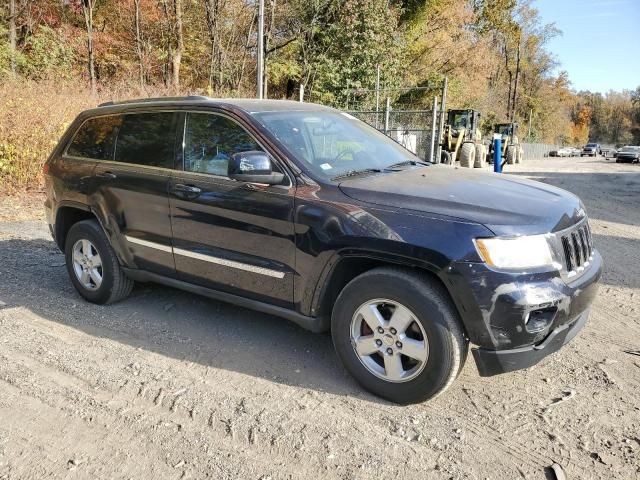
147, 139
95, 138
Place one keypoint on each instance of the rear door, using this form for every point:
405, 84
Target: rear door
228, 235
93, 141
131, 189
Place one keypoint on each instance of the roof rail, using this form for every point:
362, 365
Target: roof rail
156, 99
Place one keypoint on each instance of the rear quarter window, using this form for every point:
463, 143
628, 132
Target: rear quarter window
95, 138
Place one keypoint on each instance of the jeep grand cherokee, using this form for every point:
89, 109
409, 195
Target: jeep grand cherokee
302, 211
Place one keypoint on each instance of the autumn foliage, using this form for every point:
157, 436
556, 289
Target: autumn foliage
58, 57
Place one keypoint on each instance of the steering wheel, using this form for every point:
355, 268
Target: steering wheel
341, 155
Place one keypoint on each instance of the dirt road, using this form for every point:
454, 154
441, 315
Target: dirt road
171, 385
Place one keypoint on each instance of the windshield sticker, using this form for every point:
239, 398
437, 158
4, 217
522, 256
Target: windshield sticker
326, 166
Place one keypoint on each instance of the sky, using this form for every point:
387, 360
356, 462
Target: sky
600, 42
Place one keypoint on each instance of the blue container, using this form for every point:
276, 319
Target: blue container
497, 155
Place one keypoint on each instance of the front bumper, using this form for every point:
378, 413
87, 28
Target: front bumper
494, 362
500, 311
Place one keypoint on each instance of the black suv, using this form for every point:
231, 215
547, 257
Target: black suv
305, 212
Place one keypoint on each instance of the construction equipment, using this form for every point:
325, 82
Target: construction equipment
462, 140
512, 151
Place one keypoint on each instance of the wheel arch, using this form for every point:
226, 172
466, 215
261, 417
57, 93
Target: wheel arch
347, 266
68, 214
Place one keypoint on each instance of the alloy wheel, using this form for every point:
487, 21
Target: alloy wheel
389, 340
87, 264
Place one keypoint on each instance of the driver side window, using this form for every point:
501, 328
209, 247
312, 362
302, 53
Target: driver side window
210, 140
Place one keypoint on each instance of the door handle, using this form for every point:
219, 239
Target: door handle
190, 189
107, 175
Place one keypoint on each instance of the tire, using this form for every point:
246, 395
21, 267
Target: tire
481, 155
511, 154
520, 156
467, 154
445, 157
431, 312
114, 284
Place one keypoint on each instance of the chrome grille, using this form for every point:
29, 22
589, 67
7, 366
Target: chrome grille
576, 248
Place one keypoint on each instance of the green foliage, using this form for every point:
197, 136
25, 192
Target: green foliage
46, 54
360, 38
8, 159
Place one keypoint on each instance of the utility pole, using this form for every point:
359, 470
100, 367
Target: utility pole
443, 106
434, 116
377, 94
260, 66
529, 130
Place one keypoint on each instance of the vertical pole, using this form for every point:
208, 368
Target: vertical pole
434, 117
387, 108
497, 155
301, 92
529, 130
260, 66
377, 95
12, 34
443, 105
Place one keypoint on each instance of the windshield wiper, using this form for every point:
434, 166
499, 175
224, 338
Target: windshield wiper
353, 173
407, 162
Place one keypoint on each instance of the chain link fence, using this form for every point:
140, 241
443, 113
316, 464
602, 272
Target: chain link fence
413, 129
537, 150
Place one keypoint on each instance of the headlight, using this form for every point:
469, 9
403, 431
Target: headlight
515, 253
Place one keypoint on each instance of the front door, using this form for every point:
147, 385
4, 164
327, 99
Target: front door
229, 235
131, 189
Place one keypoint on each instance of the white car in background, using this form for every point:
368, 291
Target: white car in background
565, 152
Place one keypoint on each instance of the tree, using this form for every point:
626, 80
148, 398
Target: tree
139, 41
88, 7
12, 34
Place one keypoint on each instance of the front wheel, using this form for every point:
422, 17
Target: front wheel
468, 154
398, 334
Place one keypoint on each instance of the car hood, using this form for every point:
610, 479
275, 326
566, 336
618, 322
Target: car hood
506, 204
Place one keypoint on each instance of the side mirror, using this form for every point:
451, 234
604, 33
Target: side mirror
253, 167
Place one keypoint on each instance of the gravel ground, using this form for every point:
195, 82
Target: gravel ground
171, 385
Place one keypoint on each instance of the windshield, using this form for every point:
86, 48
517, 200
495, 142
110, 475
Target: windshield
629, 149
592, 144
503, 129
332, 144
459, 120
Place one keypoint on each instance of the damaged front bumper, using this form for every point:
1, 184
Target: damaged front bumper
518, 319
494, 362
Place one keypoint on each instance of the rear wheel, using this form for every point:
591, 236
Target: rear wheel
93, 266
467, 154
398, 335
480, 156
